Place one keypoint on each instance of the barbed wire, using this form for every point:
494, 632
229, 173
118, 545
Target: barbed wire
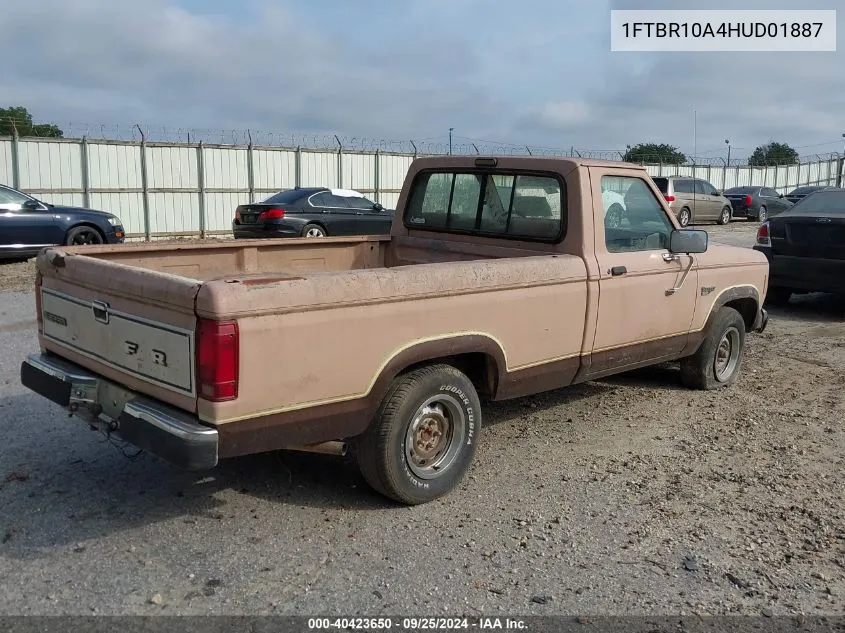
432, 146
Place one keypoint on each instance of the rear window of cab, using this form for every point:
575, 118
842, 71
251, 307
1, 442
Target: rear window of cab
494, 204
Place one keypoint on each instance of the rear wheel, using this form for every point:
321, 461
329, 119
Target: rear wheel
81, 235
725, 216
684, 217
424, 435
717, 362
313, 230
762, 214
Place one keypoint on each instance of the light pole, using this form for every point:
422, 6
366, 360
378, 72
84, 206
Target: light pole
728, 142
450, 140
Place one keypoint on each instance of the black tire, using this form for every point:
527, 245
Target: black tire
725, 216
762, 215
613, 219
433, 399
81, 235
314, 230
713, 366
777, 296
684, 217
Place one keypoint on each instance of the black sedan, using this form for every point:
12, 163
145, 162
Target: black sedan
27, 225
312, 212
799, 193
757, 203
805, 246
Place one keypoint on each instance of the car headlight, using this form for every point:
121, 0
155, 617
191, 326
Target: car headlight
114, 220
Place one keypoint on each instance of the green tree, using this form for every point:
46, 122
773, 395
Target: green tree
773, 154
655, 153
18, 118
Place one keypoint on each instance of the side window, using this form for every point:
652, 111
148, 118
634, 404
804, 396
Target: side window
701, 188
359, 203
644, 225
709, 189
7, 196
322, 199
683, 186
769, 193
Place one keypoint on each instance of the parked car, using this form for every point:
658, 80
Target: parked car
387, 345
799, 193
756, 203
27, 225
694, 200
805, 246
312, 212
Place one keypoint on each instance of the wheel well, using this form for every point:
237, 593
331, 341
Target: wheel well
316, 223
90, 226
479, 367
747, 307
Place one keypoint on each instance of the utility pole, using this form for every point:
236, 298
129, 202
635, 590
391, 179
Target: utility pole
451, 129
728, 142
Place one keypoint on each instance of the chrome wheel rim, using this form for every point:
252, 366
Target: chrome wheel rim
315, 232
88, 236
434, 436
727, 355
684, 218
726, 216
762, 215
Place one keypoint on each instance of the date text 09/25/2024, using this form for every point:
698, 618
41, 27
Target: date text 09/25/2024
416, 624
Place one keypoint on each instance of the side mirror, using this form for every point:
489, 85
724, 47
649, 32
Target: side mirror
378, 207
718, 193
780, 195
31, 205
688, 241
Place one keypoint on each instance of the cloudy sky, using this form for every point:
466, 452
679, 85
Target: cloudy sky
535, 72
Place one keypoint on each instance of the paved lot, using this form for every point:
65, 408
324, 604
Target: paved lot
629, 495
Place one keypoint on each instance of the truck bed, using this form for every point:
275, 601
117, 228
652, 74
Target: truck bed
293, 301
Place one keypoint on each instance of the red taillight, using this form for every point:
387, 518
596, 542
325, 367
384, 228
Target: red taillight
272, 214
39, 316
763, 238
747, 201
669, 198
217, 360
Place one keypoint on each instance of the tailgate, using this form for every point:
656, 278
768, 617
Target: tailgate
131, 325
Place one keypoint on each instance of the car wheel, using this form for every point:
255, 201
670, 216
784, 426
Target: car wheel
613, 219
684, 217
725, 216
777, 296
719, 358
81, 235
423, 438
313, 230
762, 214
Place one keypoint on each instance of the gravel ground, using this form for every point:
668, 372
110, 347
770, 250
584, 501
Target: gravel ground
629, 495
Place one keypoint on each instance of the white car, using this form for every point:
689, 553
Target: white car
614, 208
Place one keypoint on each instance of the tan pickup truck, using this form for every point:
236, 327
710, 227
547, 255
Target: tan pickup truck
502, 277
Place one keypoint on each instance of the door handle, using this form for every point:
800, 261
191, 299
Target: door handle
616, 271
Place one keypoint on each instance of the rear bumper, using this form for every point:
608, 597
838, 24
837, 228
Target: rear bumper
169, 433
761, 321
807, 274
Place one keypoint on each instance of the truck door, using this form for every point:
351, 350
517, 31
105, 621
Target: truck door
647, 295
